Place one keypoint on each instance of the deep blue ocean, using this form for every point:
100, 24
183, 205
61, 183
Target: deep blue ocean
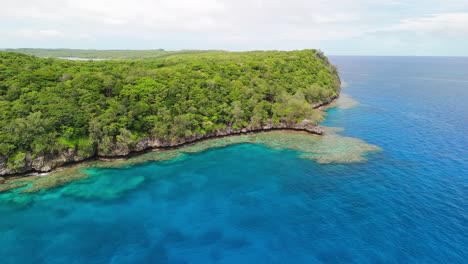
251, 204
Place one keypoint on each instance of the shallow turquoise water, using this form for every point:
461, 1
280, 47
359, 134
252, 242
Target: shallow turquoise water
247, 203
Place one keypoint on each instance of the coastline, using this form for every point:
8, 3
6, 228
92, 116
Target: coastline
326, 147
330, 148
146, 145
136, 153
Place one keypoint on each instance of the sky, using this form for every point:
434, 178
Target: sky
338, 27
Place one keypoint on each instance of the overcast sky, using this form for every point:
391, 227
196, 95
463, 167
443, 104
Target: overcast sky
350, 27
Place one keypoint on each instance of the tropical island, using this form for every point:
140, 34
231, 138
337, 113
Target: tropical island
55, 112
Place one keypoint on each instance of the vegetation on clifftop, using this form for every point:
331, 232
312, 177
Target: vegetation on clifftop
106, 54
48, 106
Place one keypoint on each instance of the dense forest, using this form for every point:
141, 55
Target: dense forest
107, 54
48, 105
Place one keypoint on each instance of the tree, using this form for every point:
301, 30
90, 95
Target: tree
49, 105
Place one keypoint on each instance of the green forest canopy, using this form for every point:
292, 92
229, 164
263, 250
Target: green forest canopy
50, 105
106, 54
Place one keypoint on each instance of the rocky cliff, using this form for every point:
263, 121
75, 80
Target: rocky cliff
46, 163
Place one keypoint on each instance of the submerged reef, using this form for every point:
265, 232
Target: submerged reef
328, 148
343, 102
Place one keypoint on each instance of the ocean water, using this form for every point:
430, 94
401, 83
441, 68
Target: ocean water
249, 203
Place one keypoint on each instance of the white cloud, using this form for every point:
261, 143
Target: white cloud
439, 33
48, 34
222, 17
232, 24
40, 34
455, 24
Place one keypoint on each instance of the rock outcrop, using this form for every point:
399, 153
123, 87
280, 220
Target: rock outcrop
154, 143
46, 163
40, 163
320, 105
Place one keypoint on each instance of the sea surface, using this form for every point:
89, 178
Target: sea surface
248, 203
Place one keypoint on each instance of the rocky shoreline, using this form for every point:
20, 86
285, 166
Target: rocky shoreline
49, 163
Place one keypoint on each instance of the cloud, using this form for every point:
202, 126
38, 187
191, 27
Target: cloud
223, 17
40, 34
48, 34
345, 25
453, 24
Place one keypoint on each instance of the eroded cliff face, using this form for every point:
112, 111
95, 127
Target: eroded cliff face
46, 163
3, 166
40, 163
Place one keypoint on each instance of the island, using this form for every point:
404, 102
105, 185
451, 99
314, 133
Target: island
55, 112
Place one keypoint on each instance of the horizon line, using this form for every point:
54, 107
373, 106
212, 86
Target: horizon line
188, 49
